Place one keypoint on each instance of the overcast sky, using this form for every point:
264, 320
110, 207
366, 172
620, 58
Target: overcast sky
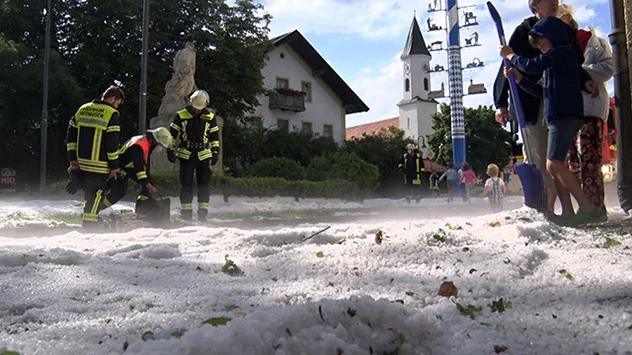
363, 40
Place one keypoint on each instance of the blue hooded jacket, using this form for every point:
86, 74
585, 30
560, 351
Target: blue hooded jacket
562, 82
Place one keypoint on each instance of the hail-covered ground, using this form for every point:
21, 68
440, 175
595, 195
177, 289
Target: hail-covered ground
274, 276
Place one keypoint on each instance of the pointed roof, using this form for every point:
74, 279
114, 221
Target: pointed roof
415, 43
320, 68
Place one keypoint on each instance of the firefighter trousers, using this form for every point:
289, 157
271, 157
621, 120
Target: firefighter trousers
93, 190
202, 171
117, 188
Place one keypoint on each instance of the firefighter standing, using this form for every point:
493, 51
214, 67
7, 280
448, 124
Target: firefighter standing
92, 142
134, 159
413, 166
199, 145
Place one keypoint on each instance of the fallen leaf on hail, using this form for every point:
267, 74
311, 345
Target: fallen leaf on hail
494, 224
379, 237
447, 289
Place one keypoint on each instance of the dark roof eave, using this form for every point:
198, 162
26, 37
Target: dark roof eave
351, 102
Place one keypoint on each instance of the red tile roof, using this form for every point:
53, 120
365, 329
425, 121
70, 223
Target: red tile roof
371, 128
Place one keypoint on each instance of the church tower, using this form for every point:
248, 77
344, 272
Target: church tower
416, 108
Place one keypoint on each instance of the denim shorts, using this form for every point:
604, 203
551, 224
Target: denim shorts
562, 133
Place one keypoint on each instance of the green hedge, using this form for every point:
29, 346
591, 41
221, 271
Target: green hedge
169, 185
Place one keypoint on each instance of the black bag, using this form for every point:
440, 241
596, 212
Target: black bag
153, 210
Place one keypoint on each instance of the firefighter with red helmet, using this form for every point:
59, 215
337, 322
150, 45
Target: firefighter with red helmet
196, 129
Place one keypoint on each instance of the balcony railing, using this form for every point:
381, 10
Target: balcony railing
279, 101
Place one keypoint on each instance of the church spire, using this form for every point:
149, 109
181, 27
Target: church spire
415, 43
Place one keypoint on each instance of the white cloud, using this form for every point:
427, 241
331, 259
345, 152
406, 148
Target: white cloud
379, 83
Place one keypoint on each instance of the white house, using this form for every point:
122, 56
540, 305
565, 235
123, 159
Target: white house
305, 93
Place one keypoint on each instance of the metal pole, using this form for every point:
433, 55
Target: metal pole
455, 79
44, 122
623, 104
142, 97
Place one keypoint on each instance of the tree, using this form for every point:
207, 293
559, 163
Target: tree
384, 150
97, 41
487, 141
22, 29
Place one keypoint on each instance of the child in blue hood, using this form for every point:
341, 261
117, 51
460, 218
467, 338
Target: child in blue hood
563, 108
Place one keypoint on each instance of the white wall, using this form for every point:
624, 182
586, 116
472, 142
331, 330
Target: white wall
325, 107
420, 114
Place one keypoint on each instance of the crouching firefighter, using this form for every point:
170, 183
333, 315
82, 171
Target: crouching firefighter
134, 160
199, 146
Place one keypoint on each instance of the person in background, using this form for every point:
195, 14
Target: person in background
586, 156
412, 165
451, 177
92, 143
495, 189
199, 146
468, 179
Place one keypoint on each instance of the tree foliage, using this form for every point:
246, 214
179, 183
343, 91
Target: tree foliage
487, 142
384, 150
97, 41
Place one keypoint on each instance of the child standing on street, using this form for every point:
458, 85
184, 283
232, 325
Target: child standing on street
450, 175
468, 179
563, 109
495, 188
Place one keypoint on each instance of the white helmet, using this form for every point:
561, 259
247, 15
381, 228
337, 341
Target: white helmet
162, 136
199, 99
410, 146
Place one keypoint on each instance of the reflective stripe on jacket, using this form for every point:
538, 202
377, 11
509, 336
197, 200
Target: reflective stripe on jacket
199, 134
92, 137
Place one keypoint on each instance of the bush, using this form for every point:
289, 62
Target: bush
319, 169
277, 167
349, 166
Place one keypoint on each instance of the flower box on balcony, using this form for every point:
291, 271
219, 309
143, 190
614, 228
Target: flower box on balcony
287, 100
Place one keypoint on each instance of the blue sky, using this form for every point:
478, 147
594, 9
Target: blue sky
363, 39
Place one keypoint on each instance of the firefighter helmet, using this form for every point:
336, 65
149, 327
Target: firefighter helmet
410, 146
162, 136
199, 99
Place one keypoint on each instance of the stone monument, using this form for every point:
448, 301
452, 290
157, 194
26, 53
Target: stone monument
177, 89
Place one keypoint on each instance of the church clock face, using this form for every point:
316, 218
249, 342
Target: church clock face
425, 68
407, 68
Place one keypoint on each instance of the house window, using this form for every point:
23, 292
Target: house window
328, 130
283, 125
426, 84
282, 83
306, 87
407, 84
307, 127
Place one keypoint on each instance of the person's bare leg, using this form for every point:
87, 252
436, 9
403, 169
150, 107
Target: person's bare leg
569, 181
565, 199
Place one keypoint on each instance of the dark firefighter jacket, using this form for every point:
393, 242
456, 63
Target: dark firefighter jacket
134, 158
413, 168
199, 134
92, 138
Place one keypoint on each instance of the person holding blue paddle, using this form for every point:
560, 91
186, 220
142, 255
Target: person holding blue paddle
563, 108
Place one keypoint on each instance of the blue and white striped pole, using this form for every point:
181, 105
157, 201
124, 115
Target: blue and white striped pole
455, 79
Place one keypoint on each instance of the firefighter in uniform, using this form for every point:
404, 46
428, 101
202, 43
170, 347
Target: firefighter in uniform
92, 143
413, 166
199, 146
134, 159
